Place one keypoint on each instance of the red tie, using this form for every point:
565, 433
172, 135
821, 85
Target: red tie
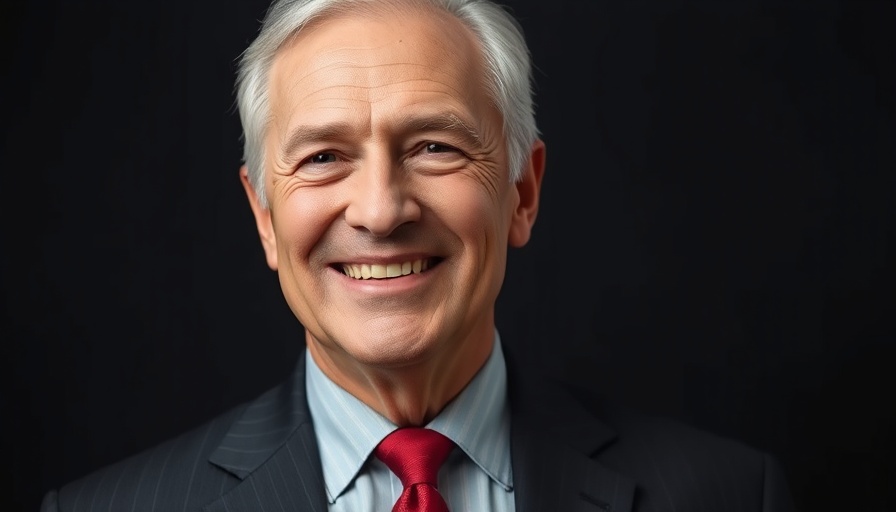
415, 456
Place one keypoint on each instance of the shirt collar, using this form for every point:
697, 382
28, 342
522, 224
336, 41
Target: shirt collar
347, 430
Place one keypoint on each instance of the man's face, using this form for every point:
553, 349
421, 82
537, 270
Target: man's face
391, 206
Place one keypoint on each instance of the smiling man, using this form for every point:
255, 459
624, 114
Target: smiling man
388, 203
391, 159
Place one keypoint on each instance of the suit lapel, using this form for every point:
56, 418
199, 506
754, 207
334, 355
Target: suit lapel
553, 440
272, 449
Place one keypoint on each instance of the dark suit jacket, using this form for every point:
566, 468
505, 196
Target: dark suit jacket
568, 454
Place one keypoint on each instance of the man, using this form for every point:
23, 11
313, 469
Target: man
391, 160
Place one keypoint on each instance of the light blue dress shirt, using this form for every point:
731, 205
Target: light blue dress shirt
477, 475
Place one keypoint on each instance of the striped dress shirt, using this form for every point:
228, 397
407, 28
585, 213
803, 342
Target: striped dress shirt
477, 474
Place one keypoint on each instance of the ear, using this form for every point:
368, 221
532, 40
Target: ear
528, 188
262, 220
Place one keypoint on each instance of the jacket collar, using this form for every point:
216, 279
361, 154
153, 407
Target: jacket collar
554, 446
272, 449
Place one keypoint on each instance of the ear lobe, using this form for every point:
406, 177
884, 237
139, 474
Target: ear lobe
262, 220
528, 188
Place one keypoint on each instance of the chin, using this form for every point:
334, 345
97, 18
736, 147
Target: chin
393, 348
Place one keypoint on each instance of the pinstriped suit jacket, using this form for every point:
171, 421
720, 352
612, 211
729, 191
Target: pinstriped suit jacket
568, 454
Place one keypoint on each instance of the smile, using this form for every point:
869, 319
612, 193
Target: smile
377, 271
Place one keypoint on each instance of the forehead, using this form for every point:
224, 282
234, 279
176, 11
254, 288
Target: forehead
368, 56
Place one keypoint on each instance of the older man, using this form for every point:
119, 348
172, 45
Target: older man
391, 158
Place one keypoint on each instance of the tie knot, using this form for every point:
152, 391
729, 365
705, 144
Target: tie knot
414, 454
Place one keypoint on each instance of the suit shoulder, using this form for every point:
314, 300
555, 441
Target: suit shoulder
698, 466
659, 432
670, 435
172, 473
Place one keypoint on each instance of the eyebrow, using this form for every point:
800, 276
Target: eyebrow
305, 134
445, 121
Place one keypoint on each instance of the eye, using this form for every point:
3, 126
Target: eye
322, 158
435, 147
322, 166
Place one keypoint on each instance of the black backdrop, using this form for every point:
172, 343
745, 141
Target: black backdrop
716, 237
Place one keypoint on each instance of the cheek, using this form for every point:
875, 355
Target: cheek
300, 220
492, 182
474, 209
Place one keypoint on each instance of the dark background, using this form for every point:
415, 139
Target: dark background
716, 236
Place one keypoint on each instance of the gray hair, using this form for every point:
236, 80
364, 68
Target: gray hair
507, 60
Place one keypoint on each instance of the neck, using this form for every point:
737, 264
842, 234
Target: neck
410, 394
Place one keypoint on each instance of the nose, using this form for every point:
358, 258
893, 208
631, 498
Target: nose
382, 199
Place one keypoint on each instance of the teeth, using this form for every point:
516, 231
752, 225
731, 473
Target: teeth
375, 271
